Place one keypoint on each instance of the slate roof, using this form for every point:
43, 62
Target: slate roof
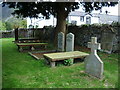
104, 18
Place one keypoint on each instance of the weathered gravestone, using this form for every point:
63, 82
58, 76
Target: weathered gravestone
61, 41
70, 42
107, 42
93, 64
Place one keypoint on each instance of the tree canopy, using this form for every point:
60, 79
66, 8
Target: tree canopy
33, 9
59, 9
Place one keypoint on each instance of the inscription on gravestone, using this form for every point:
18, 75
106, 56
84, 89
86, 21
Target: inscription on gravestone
70, 42
93, 63
61, 41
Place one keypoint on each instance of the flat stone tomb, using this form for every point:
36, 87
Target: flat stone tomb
93, 63
70, 42
52, 57
61, 41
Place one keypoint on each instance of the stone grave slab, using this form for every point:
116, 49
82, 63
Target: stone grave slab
39, 54
59, 56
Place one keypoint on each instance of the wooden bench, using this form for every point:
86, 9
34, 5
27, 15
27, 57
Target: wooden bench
21, 45
52, 57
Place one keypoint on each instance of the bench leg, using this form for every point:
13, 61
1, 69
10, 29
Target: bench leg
52, 64
45, 46
47, 62
72, 61
20, 49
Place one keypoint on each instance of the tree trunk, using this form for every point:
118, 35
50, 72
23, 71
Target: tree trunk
61, 23
16, 34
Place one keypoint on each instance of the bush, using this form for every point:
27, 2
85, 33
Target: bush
2, 26
68, 62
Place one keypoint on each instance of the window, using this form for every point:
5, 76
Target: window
82, 18
73, 22
88, 20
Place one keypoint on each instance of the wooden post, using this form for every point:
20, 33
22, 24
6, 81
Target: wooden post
16, 34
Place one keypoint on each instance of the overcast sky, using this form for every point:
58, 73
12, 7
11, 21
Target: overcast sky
111, 10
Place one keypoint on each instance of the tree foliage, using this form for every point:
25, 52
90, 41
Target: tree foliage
2, 26
59, 9
15, 23
33, 9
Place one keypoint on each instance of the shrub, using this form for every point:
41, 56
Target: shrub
68, 62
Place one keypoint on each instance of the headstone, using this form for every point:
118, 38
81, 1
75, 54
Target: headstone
93, 63
61, 41
107, 42
70, 42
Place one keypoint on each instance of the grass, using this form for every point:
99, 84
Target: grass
20, 70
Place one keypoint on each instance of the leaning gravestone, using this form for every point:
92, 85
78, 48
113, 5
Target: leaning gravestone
70, 42
93, 64
107, 42
61, 41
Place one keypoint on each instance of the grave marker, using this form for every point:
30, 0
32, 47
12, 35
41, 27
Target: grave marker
107, 42
70, 42
61, 41
93, 64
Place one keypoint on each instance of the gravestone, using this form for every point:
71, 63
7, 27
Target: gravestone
107, 42
61, 41
93, 63
70, 42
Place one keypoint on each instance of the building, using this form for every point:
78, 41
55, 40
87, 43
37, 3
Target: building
76, 18
80, 18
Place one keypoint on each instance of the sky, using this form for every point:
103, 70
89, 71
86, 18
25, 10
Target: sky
111, 10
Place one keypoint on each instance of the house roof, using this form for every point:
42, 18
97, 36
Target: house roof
104, 18
77, 13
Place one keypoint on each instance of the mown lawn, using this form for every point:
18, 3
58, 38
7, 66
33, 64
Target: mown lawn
20, 70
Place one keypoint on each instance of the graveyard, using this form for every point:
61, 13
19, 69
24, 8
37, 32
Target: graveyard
60, 56
20, 70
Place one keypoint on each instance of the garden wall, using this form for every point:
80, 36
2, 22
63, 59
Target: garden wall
107, 35
7, 34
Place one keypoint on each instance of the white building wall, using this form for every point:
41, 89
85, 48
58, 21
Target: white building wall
52, 21
41, 22
94, 20
75, 18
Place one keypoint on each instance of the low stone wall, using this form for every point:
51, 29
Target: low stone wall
8, 34
107, 35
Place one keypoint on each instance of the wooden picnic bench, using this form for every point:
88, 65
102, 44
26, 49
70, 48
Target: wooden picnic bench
21, 45
53, 57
